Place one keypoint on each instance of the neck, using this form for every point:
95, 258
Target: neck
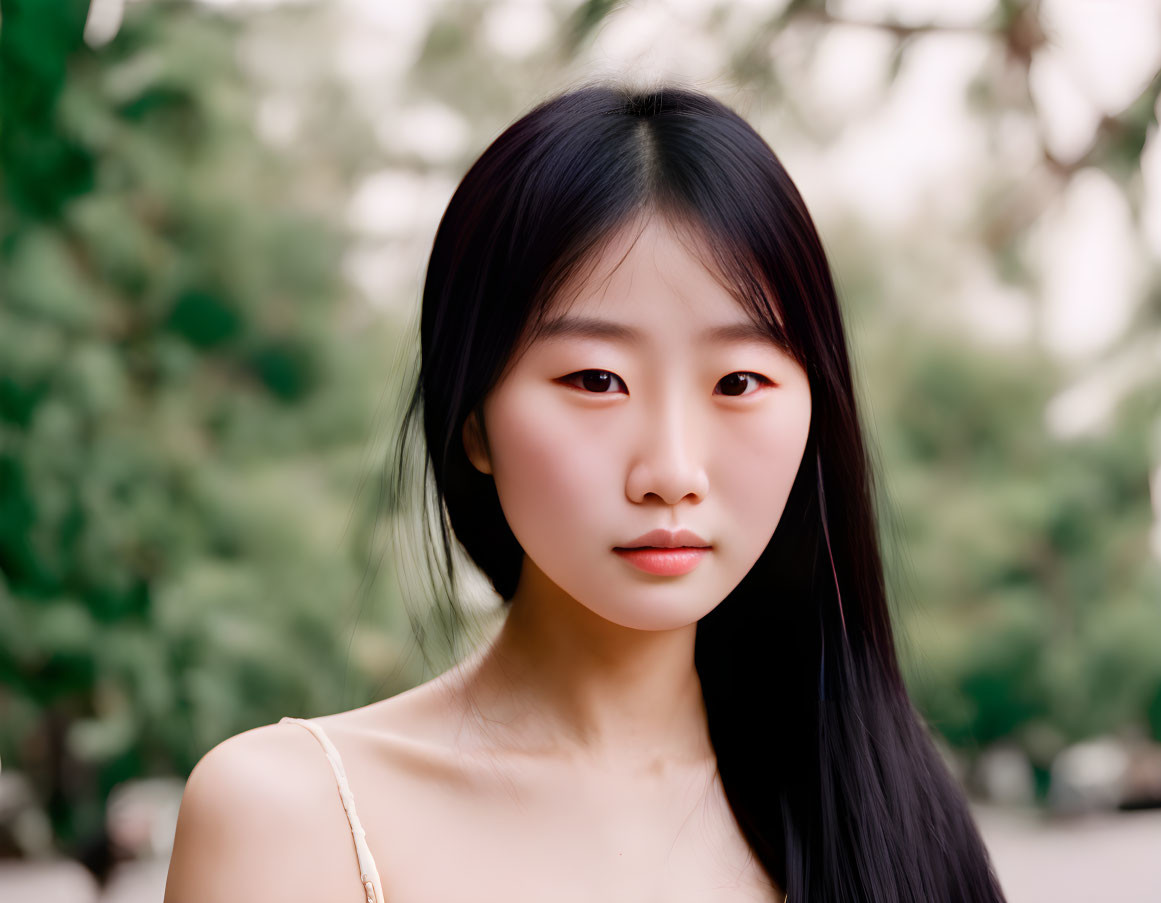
559, 679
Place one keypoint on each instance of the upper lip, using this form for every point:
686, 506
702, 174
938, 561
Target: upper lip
666, 539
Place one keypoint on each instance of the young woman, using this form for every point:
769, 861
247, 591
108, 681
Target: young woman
639, 415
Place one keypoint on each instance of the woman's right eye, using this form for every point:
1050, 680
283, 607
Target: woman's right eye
596, 382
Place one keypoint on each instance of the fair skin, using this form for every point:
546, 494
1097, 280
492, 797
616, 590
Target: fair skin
569, 759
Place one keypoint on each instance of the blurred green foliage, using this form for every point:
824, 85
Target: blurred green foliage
181, 413
1034, 608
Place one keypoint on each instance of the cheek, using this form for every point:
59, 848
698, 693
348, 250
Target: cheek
544, 463
756, 463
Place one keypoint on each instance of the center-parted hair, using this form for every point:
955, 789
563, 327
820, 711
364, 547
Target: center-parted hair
828, 768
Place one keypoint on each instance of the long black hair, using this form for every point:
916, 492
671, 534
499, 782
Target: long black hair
830, 771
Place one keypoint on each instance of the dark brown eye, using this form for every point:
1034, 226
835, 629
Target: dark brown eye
735, 383
596, 381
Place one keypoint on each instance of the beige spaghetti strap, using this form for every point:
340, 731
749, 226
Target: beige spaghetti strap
368, 873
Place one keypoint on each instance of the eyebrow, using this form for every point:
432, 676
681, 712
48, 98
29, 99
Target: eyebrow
593, 328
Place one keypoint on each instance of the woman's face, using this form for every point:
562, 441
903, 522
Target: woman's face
596, 436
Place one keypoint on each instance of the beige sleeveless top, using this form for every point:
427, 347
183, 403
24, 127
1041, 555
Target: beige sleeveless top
368, 873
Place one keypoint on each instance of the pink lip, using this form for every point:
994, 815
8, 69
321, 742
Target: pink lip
666, 539
665, 562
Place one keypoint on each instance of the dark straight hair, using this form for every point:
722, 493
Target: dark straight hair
831, 773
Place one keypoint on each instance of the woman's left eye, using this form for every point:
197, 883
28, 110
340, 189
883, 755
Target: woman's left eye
733, 383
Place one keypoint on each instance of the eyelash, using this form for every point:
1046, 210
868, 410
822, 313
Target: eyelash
762, 379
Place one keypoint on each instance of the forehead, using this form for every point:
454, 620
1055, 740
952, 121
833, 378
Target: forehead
651, 281
645, 264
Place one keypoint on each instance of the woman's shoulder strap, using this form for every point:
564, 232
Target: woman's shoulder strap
368, 873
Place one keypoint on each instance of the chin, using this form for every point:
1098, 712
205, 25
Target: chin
661, 615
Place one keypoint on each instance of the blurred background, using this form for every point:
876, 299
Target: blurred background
214, 223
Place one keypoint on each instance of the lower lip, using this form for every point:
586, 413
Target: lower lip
665, 562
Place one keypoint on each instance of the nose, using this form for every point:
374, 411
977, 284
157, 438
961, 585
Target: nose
670, 464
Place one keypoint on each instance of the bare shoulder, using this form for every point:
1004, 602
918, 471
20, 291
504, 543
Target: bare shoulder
261, 819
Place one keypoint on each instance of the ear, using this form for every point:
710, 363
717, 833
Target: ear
475, 444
